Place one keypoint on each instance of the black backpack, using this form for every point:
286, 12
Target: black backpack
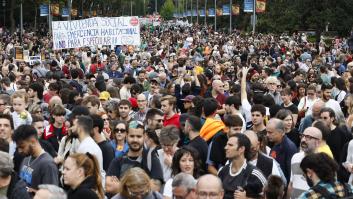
327, 195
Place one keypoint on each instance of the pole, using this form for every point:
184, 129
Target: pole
144, 7
155, 4
197, 11
215, 15
192, 12
70, 6
230, 16
130, 8
205, 13
21, 20
49, 17
254, 17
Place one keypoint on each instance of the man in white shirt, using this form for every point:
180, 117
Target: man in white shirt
82, 128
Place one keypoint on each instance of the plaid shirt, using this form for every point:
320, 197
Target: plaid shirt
335, 188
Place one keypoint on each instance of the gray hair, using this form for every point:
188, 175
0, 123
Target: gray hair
185, 180
279, 124
6, 164
55, 191
169, 135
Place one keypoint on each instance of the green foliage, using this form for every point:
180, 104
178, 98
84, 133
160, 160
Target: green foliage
167, 10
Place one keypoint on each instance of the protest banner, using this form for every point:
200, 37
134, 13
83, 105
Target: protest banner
248, 6
33, 59
44, 10
96, 31
226, 9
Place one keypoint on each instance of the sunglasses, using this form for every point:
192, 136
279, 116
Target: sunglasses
119, 130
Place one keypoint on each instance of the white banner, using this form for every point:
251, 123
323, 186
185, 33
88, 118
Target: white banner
96, 31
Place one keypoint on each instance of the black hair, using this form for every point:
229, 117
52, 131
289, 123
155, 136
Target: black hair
129, 80
195, 122
233, 120
125, 102
24, 132
8, 117
322, 126
259, 108
153, 136
152, 112
75, 73
180, 153
326, 86
97, 122
233, 100
77, 111
274, 188
4, 145
326, 172
86, 123
329, 110
243, 141
210, 106
340, 84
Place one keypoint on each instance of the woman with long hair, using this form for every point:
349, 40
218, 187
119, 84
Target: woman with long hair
291, 132
185, 160
136, 184
81, 173
118, 142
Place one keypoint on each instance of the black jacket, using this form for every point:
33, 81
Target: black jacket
84, 190
17, 188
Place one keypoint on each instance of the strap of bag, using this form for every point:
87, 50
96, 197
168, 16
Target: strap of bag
323, 192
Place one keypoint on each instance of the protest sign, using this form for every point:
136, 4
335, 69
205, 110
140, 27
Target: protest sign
34, 59
96, 31
18, 53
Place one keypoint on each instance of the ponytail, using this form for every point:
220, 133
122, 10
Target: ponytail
96, 174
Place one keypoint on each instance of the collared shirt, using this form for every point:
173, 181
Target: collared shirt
333, 188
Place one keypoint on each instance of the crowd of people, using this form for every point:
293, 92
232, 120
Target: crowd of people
191, 113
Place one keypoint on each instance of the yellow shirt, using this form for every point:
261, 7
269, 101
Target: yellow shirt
325, 149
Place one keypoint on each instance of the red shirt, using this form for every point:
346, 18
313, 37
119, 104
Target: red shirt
174, 120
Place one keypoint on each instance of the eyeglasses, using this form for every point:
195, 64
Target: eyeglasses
139, 193
308, 137
204, 194
119, 130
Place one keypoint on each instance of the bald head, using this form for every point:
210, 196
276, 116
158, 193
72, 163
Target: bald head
208, 184
252, 137
277, 124
314, 132
316, 108
55, 100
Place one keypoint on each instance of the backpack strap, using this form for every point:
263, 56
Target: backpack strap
323, 192
248, 170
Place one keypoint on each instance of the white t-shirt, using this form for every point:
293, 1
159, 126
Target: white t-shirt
168, 189
167, 171
297, 178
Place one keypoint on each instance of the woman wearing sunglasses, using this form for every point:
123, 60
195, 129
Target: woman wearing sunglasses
118, 141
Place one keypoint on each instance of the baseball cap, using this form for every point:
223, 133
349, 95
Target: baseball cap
104, 95
188, 98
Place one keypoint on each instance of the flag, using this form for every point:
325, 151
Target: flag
248, 6
65, 12
211, 12
226, 9
235, 9
74, 12
202, 13
260, 6
44, 10
219, 12
55, 9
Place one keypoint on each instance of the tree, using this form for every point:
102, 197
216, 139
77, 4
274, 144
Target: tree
167, 10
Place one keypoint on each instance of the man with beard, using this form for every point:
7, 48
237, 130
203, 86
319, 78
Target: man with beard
320, 172
142, 105
135, 157
82, 128
266, 164
39, 167
240, 178
329, 102
154, 90
154, 119
338, 135
310, 142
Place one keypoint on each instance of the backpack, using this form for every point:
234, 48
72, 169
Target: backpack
327, 195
